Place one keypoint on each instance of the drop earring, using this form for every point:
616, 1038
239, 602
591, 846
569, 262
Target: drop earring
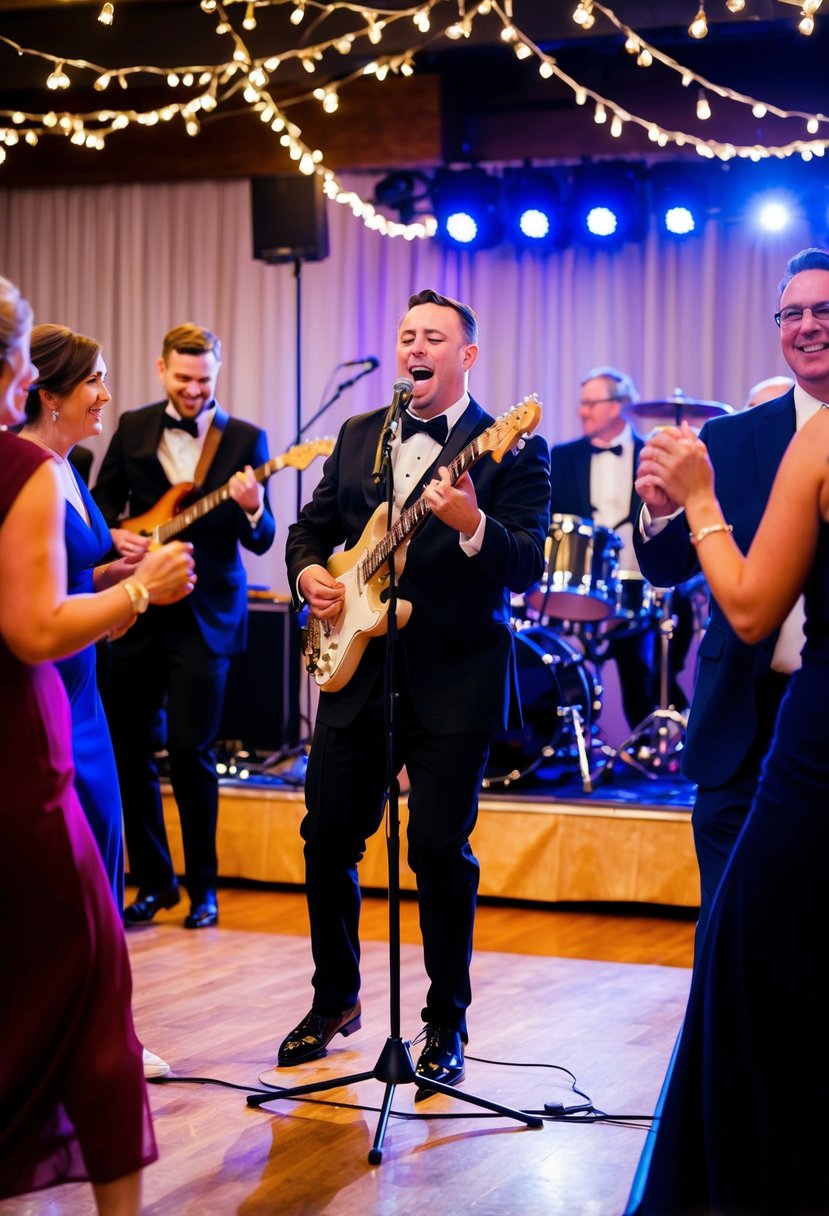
55, 415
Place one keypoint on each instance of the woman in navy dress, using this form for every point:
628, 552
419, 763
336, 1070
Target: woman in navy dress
738, 1130
63, 407
73, 1101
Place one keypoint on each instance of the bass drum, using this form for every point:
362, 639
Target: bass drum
552, 675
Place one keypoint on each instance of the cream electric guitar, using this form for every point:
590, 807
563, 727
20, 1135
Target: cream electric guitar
333, 649
173, 513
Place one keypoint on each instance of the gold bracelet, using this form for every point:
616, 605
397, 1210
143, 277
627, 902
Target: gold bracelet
138, 593
105, 579
696, 537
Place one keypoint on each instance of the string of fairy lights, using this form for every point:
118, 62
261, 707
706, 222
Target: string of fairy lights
239, 75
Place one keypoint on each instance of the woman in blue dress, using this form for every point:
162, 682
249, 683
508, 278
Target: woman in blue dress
64, 406
738, 1130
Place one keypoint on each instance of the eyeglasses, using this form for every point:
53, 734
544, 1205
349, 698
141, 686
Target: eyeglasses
600, 400
788, 317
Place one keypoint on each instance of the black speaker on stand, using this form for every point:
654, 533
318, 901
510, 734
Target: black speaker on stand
290, 224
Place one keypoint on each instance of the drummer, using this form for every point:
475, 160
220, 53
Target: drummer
593, 477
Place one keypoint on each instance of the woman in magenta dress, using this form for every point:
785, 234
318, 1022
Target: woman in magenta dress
73, 1102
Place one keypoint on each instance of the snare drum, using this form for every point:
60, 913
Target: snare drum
552, 675
580, 564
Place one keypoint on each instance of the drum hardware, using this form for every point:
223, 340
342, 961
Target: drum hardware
559, 701
655, 747
673, 411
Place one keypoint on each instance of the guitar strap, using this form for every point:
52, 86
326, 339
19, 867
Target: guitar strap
208, 451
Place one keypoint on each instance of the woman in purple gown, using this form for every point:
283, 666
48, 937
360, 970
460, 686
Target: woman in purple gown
73, 1101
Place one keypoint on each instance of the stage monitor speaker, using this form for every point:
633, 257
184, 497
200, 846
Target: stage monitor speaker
289, 218
261, 706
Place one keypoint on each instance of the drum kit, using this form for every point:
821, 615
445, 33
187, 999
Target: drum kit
563, 627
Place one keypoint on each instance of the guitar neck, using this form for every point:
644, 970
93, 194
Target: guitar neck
215, 498
416, 514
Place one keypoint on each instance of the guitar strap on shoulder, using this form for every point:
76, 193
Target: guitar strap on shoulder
208, 451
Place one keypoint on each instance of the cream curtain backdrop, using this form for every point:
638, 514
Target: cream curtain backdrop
125, 263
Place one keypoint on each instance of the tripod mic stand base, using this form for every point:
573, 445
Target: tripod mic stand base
655, 747
394, 1067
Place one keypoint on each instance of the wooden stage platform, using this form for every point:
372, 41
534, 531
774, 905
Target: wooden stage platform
531, 846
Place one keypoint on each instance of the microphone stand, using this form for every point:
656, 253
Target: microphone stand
340, 389
394, 1065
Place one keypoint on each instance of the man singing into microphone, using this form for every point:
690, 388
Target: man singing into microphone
455, 676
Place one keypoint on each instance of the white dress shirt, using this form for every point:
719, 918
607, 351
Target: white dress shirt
611, 483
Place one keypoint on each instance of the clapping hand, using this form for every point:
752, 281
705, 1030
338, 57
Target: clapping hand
673, 469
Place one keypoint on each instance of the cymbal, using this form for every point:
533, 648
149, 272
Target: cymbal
677, 409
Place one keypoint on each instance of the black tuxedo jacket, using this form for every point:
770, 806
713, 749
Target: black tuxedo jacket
570, 478
457, 646
131, 481
745, 450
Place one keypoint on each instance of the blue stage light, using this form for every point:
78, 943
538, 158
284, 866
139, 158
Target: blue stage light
607, 205
532, 208
466, 205
680, 197
461, 227
601, 221
680, 221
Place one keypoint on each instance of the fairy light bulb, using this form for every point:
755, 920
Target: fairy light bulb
298, 13
644, 59
806, 25
813, 126
703, 106
735, 6
249, 21
616, 126
107, 14
599, 114
699, 26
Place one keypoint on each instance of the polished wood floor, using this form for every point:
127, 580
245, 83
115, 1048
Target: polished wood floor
598, 993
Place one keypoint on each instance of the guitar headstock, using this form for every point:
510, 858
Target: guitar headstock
507, 430
301, 454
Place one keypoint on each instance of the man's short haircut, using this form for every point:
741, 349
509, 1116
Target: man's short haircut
189, 339
808, 259
624, 388
468, 319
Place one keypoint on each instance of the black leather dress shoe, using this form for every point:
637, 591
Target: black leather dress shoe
440, 1060
144, 908
309, 1040
204, 912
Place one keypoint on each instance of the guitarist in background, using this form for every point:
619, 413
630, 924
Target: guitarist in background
455, 676
182, 653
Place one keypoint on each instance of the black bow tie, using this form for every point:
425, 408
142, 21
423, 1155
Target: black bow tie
184, 424
596, 449
436, 428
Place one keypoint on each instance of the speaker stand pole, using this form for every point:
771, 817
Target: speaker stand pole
298, 280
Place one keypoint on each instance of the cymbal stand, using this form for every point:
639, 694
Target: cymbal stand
656, 744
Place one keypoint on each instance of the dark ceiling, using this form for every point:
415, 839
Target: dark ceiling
467, 101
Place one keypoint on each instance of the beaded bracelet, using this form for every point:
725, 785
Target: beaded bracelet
696, 537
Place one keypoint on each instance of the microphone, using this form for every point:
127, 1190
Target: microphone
369, 363
402, 395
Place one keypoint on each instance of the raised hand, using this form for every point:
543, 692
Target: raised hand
168, 572
677, 466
